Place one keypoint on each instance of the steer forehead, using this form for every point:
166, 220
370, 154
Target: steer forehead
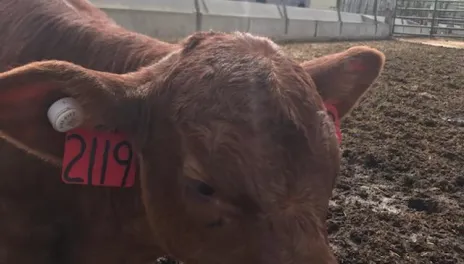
250, 119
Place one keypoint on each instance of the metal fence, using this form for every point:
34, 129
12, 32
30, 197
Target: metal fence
381, 10
432, 18
368, 7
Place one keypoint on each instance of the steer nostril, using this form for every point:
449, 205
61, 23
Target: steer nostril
271, 226
219, 222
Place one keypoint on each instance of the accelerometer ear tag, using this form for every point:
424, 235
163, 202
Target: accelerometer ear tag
91, 157
65, 114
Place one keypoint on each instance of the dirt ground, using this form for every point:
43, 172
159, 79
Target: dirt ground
400, 197
437, 42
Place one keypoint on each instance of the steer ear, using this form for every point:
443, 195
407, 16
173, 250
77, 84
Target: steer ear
342, 78
27, 92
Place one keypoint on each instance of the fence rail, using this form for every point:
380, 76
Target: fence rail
431, 18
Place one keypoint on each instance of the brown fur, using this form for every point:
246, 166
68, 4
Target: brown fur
237, 157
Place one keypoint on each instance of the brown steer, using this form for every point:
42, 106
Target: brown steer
236, 155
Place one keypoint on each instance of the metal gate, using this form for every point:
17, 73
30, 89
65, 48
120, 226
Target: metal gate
433, 18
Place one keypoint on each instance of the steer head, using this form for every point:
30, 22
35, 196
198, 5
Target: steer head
237, 154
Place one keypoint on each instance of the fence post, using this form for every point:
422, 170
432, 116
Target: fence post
339, 16
434, 15
376, 4
359, 7
350, 3
198, 13
366, 9
391, 17
338, 10
284, 5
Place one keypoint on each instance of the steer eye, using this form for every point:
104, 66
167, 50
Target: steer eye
205, 189
201, 187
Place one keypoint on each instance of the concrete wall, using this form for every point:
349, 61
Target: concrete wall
164, 19
323, 4
173, 20
256, 18
309, 24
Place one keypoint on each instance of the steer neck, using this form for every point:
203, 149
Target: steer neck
94, 43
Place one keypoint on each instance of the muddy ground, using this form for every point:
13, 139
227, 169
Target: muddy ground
400, 197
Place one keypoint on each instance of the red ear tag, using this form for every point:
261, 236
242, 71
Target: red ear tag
98, 158
333, 112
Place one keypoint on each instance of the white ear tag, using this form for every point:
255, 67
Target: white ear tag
65, 114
